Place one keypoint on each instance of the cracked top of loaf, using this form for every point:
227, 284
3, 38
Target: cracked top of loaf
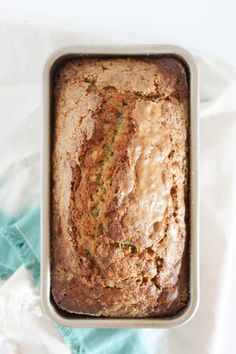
119, 187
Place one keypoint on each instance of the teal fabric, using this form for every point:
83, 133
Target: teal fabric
9, 261
20, 244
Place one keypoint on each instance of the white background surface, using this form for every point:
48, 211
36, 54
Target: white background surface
204, 26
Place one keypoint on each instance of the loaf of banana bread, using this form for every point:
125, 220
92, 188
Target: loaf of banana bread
119, 199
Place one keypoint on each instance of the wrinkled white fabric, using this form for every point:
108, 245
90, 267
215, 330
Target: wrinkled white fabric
23, 327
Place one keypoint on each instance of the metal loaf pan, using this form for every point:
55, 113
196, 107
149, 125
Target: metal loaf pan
73, 320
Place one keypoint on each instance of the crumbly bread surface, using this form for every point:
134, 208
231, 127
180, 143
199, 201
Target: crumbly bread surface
119, 187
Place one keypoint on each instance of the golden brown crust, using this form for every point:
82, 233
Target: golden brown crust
119, 187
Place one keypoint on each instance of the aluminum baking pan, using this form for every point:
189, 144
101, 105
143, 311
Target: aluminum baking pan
75, 320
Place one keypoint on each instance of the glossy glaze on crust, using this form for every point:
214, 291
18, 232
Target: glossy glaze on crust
119, 176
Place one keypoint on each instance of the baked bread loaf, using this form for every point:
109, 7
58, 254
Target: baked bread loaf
120, 187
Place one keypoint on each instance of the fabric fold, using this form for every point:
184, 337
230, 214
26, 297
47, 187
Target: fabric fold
22, 239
